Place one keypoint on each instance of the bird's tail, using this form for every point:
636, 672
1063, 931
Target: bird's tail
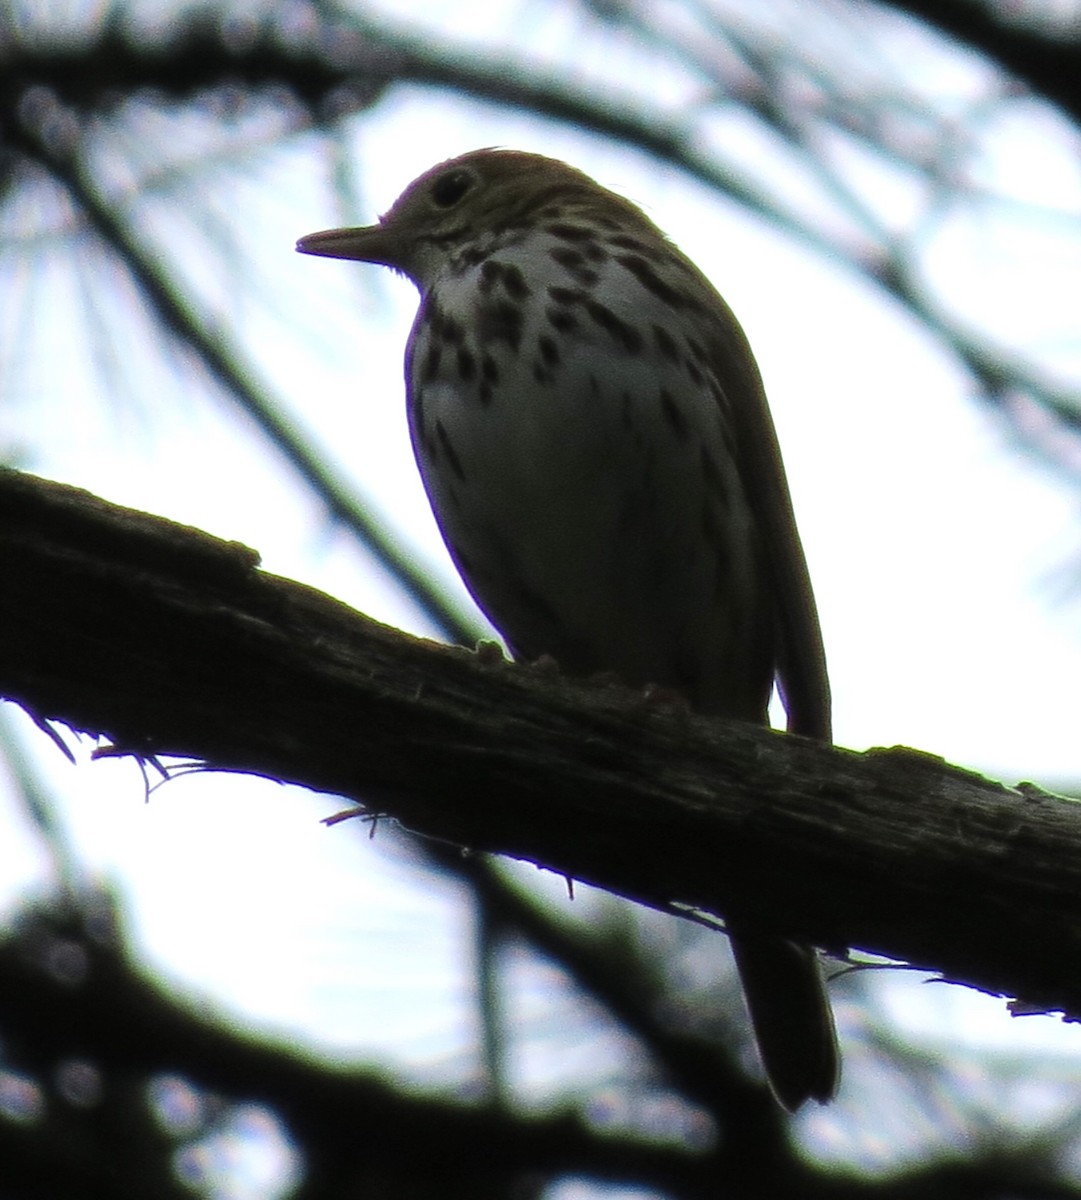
790, 1014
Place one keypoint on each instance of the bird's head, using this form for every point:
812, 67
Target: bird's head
476, 202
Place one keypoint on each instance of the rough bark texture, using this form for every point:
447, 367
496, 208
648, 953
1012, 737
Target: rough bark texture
169, 642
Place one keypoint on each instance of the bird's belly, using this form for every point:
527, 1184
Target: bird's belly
593, 507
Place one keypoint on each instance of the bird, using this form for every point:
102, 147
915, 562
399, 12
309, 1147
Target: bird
593, 434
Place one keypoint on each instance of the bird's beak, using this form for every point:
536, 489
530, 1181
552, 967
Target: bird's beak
368, 243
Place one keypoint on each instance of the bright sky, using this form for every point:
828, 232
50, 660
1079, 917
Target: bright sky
935, 548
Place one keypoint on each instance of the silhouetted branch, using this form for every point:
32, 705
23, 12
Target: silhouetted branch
69, 992
1012, 38
170, 642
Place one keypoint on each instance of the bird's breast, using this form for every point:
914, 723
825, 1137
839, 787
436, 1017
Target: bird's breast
571, 435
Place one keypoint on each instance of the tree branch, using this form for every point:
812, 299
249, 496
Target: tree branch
104, 1011
170, 642
1049, 65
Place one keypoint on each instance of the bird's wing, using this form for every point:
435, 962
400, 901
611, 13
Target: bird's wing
801, 659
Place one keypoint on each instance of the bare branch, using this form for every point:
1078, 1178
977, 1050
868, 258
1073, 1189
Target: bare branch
170, 642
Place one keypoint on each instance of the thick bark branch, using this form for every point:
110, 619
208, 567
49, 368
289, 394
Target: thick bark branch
170, 642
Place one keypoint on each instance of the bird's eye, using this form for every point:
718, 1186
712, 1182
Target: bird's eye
450, 188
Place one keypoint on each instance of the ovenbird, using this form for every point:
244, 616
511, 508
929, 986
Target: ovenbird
594, 438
